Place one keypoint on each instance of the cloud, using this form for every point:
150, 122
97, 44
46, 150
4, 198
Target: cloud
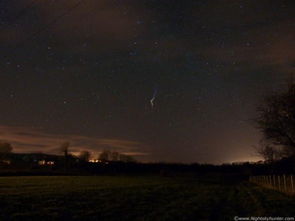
265, 46
90, 25
25, 139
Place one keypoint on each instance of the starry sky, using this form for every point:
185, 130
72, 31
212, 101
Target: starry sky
161, 80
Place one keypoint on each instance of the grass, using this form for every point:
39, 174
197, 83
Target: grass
135, 198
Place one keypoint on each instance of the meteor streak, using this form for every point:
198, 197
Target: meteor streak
153, 98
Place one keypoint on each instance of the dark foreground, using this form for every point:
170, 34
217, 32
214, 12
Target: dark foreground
136, 198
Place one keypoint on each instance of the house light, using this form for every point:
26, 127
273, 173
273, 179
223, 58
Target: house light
41, 162
50, 162
94, 161
44, 162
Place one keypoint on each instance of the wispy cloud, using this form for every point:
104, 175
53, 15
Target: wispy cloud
266, 48
26, 139
91, 21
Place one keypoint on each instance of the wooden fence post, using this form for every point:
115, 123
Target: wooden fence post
285, 184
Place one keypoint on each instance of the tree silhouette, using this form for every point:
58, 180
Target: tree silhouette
84, 155
276, 120
105, 155
268, 152
64, 148
5, 147
115, 156
126, 158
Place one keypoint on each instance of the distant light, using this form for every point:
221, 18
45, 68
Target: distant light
50, 162
44, 162
94, 161
41, 162
8, 162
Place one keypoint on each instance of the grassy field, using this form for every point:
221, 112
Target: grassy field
135, 198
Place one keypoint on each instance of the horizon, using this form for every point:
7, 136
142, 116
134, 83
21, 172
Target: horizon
96, 157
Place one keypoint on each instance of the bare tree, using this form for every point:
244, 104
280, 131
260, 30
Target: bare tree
126, 158
84, 155
5, 147
105, 155
276, 120
115, 156
64, 148
268, 152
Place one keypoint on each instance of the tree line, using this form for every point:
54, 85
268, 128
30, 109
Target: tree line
84, 155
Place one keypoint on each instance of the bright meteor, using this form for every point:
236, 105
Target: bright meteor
153, 98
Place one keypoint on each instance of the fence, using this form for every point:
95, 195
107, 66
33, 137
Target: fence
282, 183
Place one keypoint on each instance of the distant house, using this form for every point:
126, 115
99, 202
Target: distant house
30, 159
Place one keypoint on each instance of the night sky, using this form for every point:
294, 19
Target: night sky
161, 80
